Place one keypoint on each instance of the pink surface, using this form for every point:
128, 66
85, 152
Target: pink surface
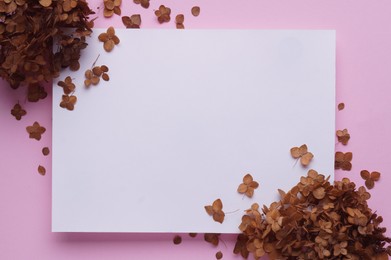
363, 84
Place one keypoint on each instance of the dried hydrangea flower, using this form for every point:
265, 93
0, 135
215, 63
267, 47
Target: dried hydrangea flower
17, 111
109, 39
315, 220
67, 85
179, 19
343, 161
35, 131
133, 22
212, 238
111, 7
248, 186
163, 14
343, 136
370, 178
144, 3
302, 153
195, 11
93, 76
216, 210
68, 102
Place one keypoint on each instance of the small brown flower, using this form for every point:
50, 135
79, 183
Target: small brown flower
109, 39
216, 210
179, 19
18, 111
133, 21
68, 102
93, 76
212, 238
343, 136
144, 3
302, 153
370, 178
35, 131
112, 7
163, 14
248, 186
195, 11
67, 85
343, 161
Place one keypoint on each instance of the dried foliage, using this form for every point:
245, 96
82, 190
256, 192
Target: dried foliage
109, 39
179, 19
177, 240
343, 136
248, 186
144, 3
341, 106
163, 14
212, 238
370, 178
45, 151
132, 22
41, 170
216, 210
112, 7
315, 220
195, 11
17, 111
302, 153
35, 131
28, 31
343, 161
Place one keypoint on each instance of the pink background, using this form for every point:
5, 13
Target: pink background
363, 84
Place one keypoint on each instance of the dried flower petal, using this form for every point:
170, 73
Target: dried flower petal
41, 170
35, 131
163, 14
219, 255
370, 178
248, 186
212, 238
109, 39
216, 210
302, 153
45, 151
341, 106
343, 161
343, 136
45, 3
192, 234
18, 111
195, 10
179, 19
177, 240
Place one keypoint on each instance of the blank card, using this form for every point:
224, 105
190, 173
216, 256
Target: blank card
185, 115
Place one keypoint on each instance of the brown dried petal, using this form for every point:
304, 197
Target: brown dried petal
177, 240
341, 106
45, 151
195, 10
41, 170
45, 3
219, 255
212, 238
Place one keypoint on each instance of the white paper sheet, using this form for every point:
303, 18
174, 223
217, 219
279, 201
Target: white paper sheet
185, 115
